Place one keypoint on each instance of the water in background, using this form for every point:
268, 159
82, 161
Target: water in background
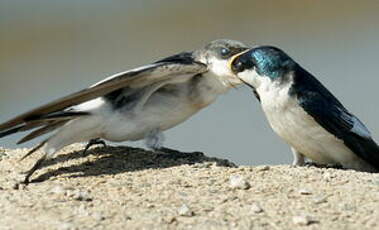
51, 48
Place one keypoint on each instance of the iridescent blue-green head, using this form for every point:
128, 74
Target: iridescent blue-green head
264, 62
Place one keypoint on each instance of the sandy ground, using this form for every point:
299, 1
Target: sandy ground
128, 188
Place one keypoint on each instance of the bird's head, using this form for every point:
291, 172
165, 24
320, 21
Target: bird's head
216, 55
262, 64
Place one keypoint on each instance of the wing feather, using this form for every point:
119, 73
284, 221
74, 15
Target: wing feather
319, 103
137, 77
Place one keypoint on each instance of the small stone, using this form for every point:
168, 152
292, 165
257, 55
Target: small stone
81, 195
376, 181
170, 219
184, 210
320, 199
256, 208
263, 168
303, 220
18, 181
66, 226
58, 190
238, 182
328, 176
305, 192
16, 186
98, 216
205, 165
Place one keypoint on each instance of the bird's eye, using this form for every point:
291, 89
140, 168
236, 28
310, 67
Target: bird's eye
225, 52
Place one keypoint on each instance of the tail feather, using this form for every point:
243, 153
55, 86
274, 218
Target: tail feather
61, 115
10, 131
41, 131
23, 127
34, 150
49, 122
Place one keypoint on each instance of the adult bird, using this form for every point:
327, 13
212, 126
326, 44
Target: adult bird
304, 113
132, 105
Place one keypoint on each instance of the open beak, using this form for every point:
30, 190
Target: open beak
233, 58
236, 66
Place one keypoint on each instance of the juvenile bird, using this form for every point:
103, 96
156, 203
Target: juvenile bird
132, 105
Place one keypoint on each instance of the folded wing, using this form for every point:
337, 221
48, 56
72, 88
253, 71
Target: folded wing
318, 102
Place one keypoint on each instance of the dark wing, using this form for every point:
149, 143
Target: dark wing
58, 111
318, 102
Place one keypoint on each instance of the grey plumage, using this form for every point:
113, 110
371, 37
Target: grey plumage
132, 105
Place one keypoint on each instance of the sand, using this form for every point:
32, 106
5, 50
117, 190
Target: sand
129, 188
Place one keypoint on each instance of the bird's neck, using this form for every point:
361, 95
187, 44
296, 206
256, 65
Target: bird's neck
204, 89
274, 96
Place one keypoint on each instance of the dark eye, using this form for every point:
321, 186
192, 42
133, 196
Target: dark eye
225, 52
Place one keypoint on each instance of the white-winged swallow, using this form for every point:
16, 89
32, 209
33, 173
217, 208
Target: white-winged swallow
304, 113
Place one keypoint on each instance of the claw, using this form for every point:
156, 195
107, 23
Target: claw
96, 141
36, 166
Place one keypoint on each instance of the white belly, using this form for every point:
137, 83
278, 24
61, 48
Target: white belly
303, 133
163, 110
131, 126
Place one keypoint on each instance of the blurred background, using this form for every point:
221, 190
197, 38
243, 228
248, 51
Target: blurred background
50, 48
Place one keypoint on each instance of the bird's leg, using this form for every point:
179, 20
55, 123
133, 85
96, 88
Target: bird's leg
36, 166
298, 158
154, 139
96, 141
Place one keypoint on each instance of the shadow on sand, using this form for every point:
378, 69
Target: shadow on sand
115, 160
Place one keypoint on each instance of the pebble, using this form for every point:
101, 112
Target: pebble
302, 220
18, 181
376, 182
320, 199
238, 182
205, 165
18, 186
98, 216
328, 176
305, 192
184, 210
263, 168
80, 195
67, 226
256, 208
58, 190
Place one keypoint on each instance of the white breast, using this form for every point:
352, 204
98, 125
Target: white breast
301, 131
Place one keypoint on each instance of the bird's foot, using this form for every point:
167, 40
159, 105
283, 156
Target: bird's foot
96, 141
334, 166
35, 167
314, 164
26, 180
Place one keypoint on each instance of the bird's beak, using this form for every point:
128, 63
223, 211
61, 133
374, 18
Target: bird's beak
233, 58
239, 63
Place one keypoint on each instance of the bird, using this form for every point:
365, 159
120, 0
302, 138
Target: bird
132, 105
304, 113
